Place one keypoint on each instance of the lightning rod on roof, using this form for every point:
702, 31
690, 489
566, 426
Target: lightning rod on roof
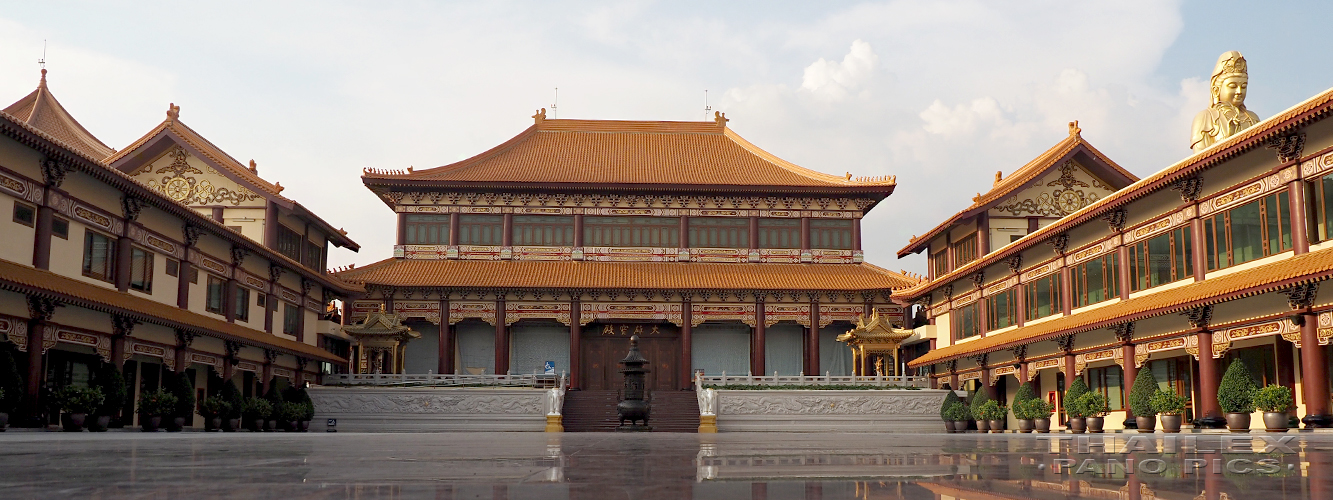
555, 112
707, 108
42, 62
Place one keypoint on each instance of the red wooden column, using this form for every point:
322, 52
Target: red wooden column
271, 226
1200, 250
686, 354
453, 228
575, 345
444, 363
123, 248
856, 236
983, 235
1131, 372
811, 366
754, 234
507, 228
757, 342
1300, 237
501, 339
1123, 270
1210, 413
1314, 374
41, 248
36, 368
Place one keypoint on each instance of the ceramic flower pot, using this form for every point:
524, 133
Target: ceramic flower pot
1025, 425
996, 426
1171, 423
212, 424
1275, 421
98, 423
948, 426
1078, 425
257, 425
291, 426
1042, 425
960, 426
149, 424
1095, 424
305, 425
73, 422
1238, 422
231, 424
983, 425
174, 424
1146, 424
270, 425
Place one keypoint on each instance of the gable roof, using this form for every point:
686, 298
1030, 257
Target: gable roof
1068, 148
42, 111
633, 155
173, 130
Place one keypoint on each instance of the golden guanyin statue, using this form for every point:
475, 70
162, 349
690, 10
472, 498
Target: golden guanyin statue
1227, 115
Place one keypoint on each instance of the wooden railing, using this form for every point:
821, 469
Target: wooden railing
540, 381
807, 380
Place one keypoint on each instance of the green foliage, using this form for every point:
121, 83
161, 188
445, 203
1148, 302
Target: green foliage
1168, 403
1273, 398
112, 383
158, 403
955, 411
990, 410
180, 387
74, 399
949, 399
765, 387
232, 396
11, 383
978, 399
1032, 409
1090, 404
1236, 392
1025, 393
1141, 393
214, 407
1076, 390
257, 409
307, 410
273, 395
288, 411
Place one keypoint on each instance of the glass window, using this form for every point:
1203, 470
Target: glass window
99, 256
242, 304
1043, 297
939, 263
290, 317
1002, 310
314, 255
216, 288
720, 232
1174, 374
289, 242
141, 270
1321, 196
481, 230
965, 322
835, 234
25, 214
173, 268
1108, 381
544, 230
1248, 232
651, 232
60, 228
1095, 280
779, 233
964, 250
1160, 260
427, 229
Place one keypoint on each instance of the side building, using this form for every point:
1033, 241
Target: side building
130, 259
1216, 258
550, 250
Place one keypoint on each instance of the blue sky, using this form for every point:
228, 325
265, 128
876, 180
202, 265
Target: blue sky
941, 94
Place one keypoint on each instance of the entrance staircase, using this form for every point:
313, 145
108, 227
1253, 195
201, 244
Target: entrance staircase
595, 411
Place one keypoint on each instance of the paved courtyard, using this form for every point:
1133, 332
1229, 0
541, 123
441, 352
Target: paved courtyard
667, 466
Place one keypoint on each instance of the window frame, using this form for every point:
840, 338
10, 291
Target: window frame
426, 229
831, 229
960, 325
1098, 380
60, 227
481, 230
1180, 260
993, 309
719, 232
1080, 287
212, 284
536, 230
650, 231
241, 303
775, 232
289, 242
964, 250
142, 283
32, 214
108, 272
1274, 213
1033, 307
290, 318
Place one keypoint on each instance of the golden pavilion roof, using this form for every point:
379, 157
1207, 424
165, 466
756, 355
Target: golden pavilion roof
876, 330
42, 111
381, 324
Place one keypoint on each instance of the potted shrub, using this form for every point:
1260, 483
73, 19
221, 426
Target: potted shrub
1022, 409
114, 392
152, 406
255, 412
1077, 418
4, 411
77, 403
949, 399
288, 416
182, 413
990, 412
955, 414
213, 410
1041, 422
274, 398
1171, 407
1140, 401
997, 418
306, 406
307, 413
979, 399
1094, 405
231, 421
1275, 401
1235, 394
11, 385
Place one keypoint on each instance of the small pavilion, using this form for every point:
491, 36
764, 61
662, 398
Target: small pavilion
380, 340
871, 341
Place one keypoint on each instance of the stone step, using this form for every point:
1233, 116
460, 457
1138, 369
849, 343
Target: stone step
595, 411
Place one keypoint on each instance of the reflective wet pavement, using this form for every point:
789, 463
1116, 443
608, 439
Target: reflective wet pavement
668, 466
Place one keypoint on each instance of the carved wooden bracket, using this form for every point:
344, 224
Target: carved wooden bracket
184, 338
1015, 263
238, 254
1116, 219
978, 278
1065, 342
192, 233
1124, 332
122, 326
53, 172
41, 308
1302, 296
1020, 352
1199, 317
1189, 188
233, 349
1059, 242
1288, 147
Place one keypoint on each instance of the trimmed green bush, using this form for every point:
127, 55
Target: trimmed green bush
1141, 393
949, 399
1273, 398
1095, 404
257, 409
1025, 393
158, 403
11, 382
978, 399
232, 396
214, 407
307, 410
1032, 409
1077, 389
288, 412
183, 391
114, 392
73, 399
990, 410
955, 411
1168, 403
1236, 392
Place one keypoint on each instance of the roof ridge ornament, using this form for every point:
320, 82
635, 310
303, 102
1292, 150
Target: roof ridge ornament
539, 117
254, 167
173, 112
42, 83
1074, 131
720, 119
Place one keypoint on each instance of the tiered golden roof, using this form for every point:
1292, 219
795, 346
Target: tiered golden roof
42, 111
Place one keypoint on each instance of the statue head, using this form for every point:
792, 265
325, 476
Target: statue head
1230, 80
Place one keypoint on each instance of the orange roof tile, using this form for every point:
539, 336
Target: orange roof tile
42, 111
1313, 266
624, 275
631, 153
1312, 109
1043, 163
24, 279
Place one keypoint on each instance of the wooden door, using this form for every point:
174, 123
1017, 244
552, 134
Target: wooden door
603, 348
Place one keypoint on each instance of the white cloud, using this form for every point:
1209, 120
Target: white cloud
962, 118
833, 80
